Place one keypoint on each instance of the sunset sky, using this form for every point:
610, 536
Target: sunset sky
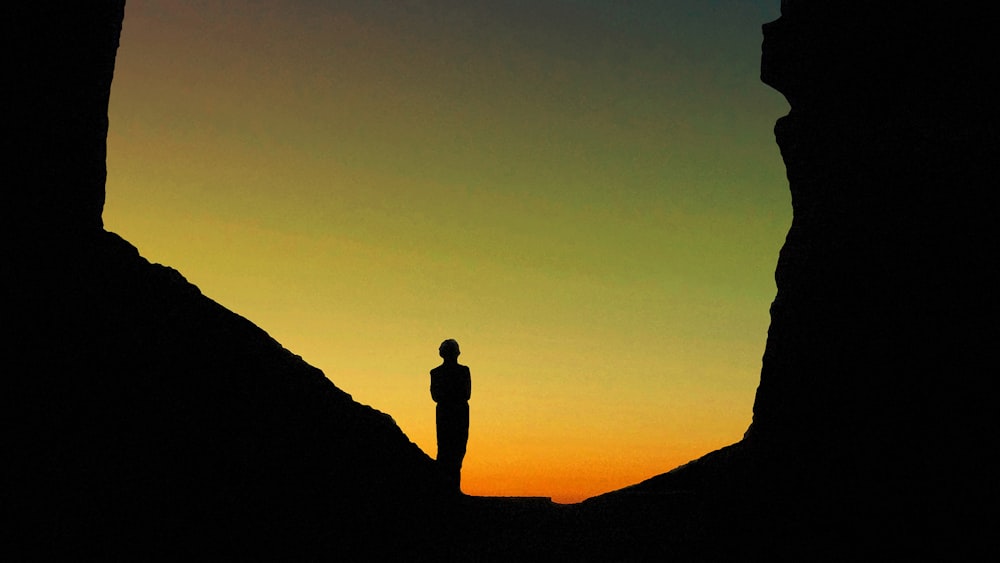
586, 194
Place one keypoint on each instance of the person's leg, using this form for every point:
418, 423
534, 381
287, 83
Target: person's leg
452, 435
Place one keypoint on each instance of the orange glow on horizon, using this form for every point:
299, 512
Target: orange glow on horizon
592, 207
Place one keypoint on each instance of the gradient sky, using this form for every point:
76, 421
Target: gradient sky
585, 194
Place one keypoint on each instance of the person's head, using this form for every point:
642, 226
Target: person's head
449, 349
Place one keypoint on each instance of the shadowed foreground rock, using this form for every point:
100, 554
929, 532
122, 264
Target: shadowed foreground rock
141, 419
874, 425
149, 418
144, 421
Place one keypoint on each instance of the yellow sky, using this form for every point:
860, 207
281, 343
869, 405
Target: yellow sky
592, 210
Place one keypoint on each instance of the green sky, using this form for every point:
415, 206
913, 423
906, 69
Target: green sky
585, 194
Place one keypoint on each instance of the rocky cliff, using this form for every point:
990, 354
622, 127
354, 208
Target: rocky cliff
141, 419
884, 285
874, 423
877, 362
58, 64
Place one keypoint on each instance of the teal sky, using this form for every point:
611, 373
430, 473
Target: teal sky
586, 194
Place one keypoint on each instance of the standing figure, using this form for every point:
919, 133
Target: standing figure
451, 387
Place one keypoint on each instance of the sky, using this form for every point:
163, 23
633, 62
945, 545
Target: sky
586, 194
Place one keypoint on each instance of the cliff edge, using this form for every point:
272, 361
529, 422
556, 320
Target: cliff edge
142, 419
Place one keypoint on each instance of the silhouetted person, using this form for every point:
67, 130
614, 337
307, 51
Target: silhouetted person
451, 387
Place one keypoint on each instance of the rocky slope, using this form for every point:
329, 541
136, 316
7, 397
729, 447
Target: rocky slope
140, 417
874, 423
143, 419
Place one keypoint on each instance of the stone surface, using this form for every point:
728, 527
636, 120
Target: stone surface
881, 326
141, 420
60, 60
144, 416
874, 428
144, 421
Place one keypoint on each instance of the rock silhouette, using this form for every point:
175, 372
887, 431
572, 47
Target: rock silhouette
874, 423
143, 420
58, 80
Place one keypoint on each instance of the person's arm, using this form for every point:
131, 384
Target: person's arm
435, 388
468, 384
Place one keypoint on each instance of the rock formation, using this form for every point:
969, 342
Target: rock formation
874, 424
144, 421
141, 419
876, 367
58, 71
